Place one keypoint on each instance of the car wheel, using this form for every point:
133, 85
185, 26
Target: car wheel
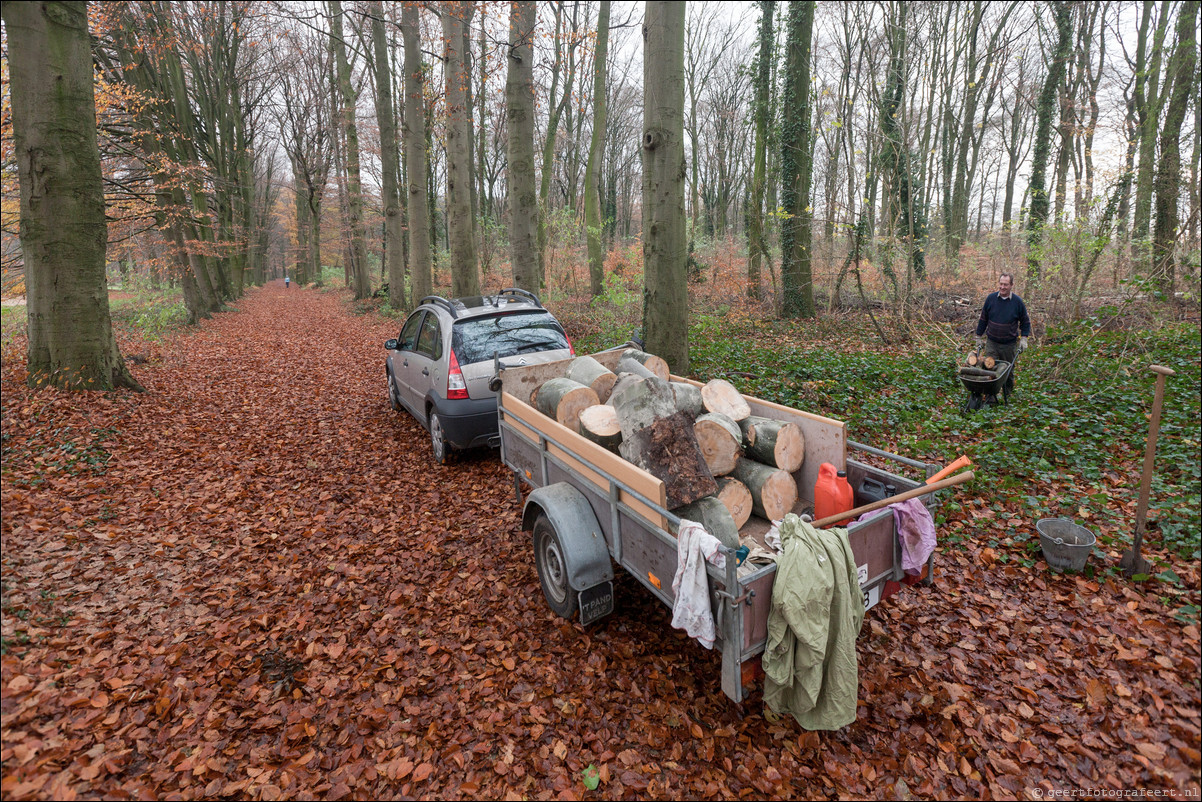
394, 398
438, 440
552, 569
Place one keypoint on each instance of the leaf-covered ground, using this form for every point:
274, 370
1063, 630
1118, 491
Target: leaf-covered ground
251, 582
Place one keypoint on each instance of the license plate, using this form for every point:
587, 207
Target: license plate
596, 602
871, 596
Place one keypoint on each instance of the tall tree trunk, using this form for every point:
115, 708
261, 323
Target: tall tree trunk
415, 155
557, 104
1183, 77
797, 165
756, 247
360, 275
1148, 100
1044, 112
519, 171
592, 198
665, 291
63, 232
389, 157
465, 278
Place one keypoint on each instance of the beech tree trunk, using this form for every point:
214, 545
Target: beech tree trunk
465, 278
756, 247
360, 277
665, 294
394, 224
415, 155
519, 112
797, 166
1044, 112
63, 232
592, 198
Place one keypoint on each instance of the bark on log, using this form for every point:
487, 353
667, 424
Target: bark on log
720, 440
688, 399
591, 373
624, 381
641, 403
773, 491
668, 450
652, 362
599, 423
774, 442
976, 373
737, 498
711, 513
628, 365
720, 395
564, 400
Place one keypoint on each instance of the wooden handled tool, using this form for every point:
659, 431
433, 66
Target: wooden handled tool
885, 502
1132, 563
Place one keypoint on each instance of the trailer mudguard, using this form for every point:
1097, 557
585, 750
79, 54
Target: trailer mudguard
584, 547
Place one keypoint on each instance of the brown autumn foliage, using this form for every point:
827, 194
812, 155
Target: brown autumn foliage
251, 582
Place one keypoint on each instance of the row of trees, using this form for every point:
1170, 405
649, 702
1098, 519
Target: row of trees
239, 139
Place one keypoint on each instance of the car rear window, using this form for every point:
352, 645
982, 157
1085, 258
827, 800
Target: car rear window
477, 339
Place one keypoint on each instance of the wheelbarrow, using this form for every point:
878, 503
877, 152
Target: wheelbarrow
984, 386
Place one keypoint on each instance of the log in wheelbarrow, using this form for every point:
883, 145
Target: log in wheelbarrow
985, 385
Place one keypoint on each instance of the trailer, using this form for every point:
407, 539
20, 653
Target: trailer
590, 510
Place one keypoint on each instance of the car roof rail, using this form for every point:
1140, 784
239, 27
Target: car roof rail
521, 294
438, 300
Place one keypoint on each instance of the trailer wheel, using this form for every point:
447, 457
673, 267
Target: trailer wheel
553, 569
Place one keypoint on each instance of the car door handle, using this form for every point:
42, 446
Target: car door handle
425, 371
405, 363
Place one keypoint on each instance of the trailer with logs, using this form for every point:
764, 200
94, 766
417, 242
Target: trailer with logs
617, 452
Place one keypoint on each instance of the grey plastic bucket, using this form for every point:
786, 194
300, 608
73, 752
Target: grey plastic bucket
1066, 546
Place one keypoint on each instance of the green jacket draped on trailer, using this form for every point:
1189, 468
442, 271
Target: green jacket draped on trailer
810, 658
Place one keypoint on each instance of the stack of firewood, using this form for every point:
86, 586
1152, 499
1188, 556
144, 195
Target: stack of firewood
719, 463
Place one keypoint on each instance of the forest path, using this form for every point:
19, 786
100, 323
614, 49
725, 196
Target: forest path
253, 582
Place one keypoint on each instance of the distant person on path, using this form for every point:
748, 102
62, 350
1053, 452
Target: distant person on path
1004, 326
286, 280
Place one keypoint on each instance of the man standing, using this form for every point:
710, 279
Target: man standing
1004, 326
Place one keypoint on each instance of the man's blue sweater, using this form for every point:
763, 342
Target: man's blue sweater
1001, 318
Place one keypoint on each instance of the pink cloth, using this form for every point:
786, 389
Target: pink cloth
916, 533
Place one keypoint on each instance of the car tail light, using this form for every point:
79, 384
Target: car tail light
456, 386
571, 348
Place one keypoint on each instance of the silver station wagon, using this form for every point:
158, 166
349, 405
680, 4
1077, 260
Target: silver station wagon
440, 366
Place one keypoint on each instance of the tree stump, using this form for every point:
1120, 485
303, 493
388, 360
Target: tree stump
720, 440
711, 513
660, 440
593, 374
737, 498
773, 491
720, 395
774, 442
564, 400
599, 423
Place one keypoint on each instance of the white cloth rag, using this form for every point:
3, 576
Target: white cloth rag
691, 610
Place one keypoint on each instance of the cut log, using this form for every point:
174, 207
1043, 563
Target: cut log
688, 398
773, 491
976, 373
599, 423
989, 363
641, 403
564, 400
591, 373
720, 395
774, 442
720, 440
737, 498
628, 365
713, 515
624, 381
972, 359
667, 449
653, 363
